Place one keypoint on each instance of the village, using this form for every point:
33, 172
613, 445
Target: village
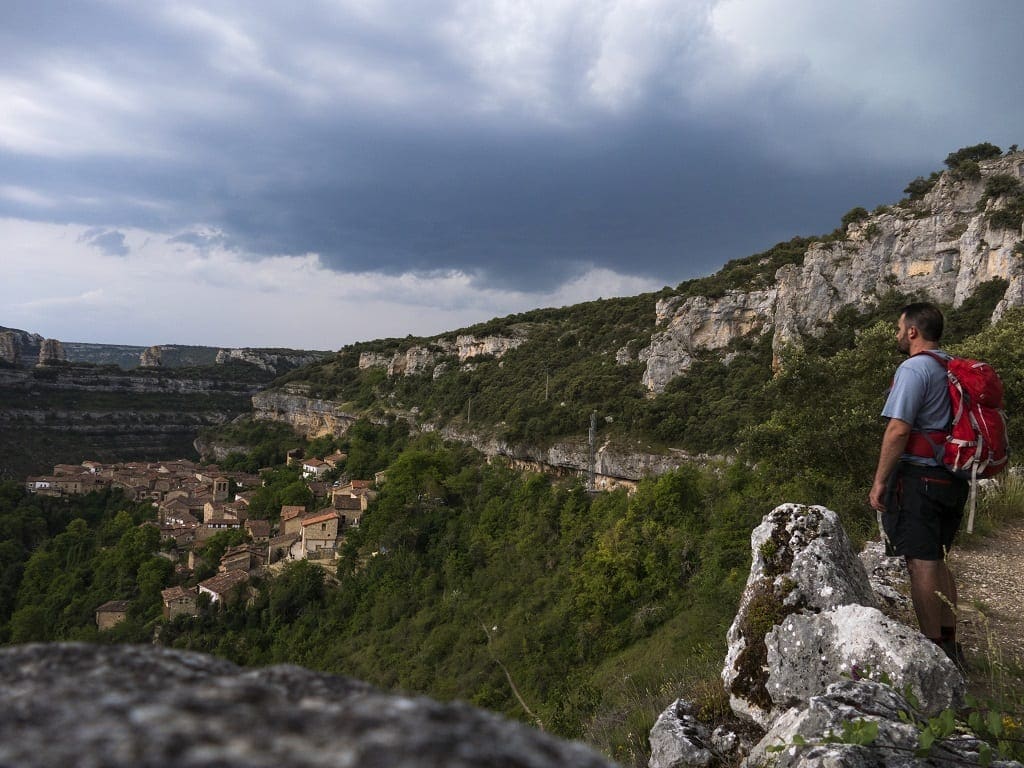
194, 502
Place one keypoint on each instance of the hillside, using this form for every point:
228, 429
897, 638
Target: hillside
682, 372
522, 592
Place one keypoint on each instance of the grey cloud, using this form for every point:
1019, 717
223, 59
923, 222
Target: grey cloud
280, 156
107, 241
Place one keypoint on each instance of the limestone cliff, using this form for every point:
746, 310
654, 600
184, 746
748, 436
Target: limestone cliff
943, 246
306, 415
17, 347
271, 361
616, 463
51, 351
423, 358
151, 358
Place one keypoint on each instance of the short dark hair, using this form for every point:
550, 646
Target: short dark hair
926, 317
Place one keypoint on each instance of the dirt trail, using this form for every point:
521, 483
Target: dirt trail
990, 578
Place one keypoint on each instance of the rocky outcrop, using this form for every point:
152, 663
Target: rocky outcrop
151, 358
941, 246
266, 360
423, 359
802, 560
468, 347
858, 704
76, 704
51, 352
814, 663
10, 349
807, 652
678, 739
695, 323
17, 347
308, 416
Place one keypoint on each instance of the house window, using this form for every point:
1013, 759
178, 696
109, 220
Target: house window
323, 526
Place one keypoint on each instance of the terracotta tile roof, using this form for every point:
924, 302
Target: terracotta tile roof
114, 606
177, 593
344, 501
287, 513
320, 518
258, 528
223, 582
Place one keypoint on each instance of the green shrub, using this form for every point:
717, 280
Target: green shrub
972, 154
853, 216
967, 170
921, 186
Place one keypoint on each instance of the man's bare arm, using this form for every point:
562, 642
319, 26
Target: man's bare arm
893, 443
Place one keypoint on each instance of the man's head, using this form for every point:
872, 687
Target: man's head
920, 324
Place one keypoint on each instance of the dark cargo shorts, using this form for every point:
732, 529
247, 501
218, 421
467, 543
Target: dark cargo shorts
923, 510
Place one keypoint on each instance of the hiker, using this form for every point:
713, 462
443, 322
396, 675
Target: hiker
921, 503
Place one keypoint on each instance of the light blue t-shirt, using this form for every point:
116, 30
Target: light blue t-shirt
919, 396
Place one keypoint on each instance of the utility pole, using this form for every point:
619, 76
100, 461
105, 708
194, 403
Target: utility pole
592, 435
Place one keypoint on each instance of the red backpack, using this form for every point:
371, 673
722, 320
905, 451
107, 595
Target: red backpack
976, 444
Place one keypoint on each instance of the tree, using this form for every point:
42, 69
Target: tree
973, 153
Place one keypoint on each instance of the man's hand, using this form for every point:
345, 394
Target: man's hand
877, 497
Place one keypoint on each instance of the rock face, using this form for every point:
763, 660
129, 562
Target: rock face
678, 740
422, 359
51, 351
941, 246
802, 560
272, 362
614, 464
10, 350
808, 652
810, 659
150, 358
72, 704
17, 347
853, 701
309, 416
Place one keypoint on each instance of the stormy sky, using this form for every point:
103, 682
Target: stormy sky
308, 174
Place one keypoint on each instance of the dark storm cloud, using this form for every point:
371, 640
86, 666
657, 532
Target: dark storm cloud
382, 140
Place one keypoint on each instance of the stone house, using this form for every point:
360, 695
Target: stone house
335, 459
222, 587
291, 519
244, 557
258, 530
314, 468
179, 601
111, 613
320, 531
350, 508
283, 547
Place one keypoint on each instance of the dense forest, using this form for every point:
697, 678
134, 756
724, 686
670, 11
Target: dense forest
517, 592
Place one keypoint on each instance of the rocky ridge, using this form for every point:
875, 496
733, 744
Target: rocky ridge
272, 362
941, 246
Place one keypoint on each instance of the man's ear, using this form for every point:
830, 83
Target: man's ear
913, 332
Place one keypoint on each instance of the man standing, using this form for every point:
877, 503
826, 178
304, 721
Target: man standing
921, 503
